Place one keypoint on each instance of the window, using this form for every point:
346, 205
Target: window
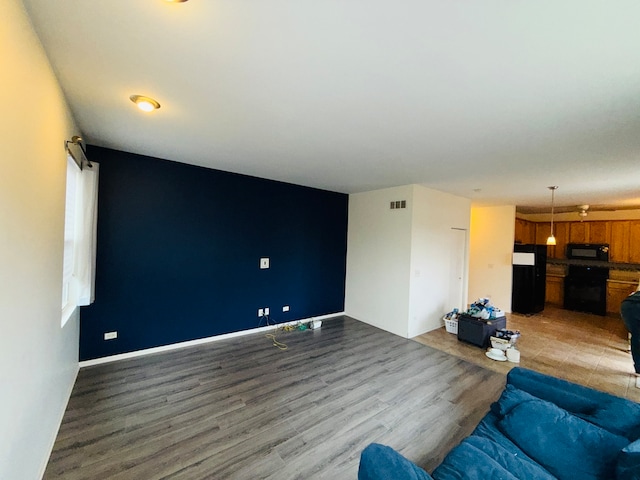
80, 220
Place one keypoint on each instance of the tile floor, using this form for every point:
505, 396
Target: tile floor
587, 349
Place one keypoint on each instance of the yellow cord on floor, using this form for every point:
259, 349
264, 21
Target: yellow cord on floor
276, 343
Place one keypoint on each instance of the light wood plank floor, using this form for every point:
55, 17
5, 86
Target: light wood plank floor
242, 409
587, 349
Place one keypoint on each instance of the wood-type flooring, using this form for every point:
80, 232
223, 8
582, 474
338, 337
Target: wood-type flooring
243, 409
588, 349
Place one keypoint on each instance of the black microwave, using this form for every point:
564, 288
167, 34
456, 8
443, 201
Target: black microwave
588, 251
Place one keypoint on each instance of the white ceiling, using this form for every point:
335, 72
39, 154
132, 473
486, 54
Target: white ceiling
490, 100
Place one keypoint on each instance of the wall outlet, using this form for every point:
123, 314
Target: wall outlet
110, 335
266, 311
285, 308
260, 312
264, 262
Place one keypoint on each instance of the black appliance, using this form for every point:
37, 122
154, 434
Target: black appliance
585, 286
585, 289
529, 278
588, 251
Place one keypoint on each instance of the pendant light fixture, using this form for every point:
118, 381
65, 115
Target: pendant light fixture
551, 240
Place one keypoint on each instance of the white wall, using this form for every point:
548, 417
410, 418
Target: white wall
398, 261
38, 358
490, 249
378, 256
435, 214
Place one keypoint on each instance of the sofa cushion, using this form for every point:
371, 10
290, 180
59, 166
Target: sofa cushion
615, 414
564, 444
488, 428
481, 458
628, 466
379, 462
510, 398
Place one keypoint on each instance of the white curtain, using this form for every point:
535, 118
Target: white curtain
85, 253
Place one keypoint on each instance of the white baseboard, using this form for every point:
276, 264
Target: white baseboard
52, 441
200, 341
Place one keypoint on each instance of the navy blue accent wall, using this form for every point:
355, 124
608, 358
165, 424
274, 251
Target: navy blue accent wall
179, 249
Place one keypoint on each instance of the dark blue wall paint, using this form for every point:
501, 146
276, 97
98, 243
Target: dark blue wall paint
179, 249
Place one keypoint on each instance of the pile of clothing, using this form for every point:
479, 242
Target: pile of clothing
484, 309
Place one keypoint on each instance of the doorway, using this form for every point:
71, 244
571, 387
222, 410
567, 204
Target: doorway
457, 263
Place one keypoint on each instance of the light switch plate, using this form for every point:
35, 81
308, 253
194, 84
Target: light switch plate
264, 262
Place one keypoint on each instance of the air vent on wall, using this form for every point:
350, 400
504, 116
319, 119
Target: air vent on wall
398, 204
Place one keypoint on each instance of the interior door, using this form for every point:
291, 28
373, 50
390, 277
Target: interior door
457, 262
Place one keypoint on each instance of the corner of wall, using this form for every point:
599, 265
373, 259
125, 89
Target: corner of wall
378, 258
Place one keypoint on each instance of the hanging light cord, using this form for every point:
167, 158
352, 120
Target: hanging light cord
553, 192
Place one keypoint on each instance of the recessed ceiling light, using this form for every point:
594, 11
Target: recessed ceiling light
176, 1
146, 104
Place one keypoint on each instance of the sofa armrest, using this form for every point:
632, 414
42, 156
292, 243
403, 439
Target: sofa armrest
379, 462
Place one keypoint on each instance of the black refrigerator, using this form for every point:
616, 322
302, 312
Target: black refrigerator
529, 278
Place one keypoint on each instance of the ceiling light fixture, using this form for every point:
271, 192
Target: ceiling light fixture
146, 104
551, 240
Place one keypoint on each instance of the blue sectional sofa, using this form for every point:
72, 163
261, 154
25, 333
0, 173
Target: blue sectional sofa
541, 427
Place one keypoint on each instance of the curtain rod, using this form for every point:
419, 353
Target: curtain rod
79, 152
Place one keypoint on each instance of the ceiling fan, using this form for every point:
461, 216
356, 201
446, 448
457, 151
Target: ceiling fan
582, 211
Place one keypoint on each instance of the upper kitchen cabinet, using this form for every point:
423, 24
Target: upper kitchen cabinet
561, 232
634, 241
543, 230
525, 231
579, 232
619, 246
623, 237
599, 232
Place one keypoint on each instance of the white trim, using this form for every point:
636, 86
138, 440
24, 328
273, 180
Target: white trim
67, 311
54, 437
200, 341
